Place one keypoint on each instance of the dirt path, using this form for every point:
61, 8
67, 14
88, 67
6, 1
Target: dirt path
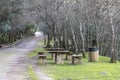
14, 61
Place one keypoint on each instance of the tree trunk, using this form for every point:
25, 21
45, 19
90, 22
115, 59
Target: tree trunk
113, 59
83, 43
74, 40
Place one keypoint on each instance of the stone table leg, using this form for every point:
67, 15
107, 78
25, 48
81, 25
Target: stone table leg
59, 58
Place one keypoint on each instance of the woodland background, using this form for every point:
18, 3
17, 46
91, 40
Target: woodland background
75, 25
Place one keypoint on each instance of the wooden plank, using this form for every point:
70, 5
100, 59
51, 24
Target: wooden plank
54, 49
62, 52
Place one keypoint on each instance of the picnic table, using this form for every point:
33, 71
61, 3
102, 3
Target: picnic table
54, 49
59, 56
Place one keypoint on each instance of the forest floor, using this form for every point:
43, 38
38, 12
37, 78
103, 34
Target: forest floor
15, 62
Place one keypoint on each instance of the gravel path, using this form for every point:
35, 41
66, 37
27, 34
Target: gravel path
14, 61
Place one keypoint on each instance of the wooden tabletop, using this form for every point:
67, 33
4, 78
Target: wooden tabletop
54, 48
63, 52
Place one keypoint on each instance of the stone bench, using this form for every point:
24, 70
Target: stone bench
42, 59
76, 59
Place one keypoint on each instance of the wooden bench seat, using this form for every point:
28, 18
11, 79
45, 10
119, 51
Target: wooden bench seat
54, 49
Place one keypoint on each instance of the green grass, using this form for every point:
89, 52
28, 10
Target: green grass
32, 74
102, 70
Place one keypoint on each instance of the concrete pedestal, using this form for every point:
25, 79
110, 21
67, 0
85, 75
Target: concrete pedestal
42, 59
59, 58
76, 59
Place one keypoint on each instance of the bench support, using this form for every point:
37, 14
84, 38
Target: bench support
42, 59
76, 59
59, 58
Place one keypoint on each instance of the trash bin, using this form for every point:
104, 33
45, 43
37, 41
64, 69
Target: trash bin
93, 54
